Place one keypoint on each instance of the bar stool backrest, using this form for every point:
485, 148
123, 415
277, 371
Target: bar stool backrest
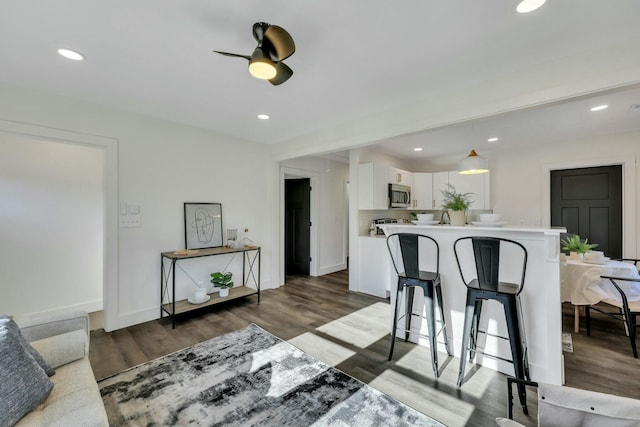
409, 253
486, 251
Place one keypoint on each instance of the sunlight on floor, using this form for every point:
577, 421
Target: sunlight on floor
418, 360
448, 410
361, 328
321, 348
283, 377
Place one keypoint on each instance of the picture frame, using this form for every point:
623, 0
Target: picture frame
203, 225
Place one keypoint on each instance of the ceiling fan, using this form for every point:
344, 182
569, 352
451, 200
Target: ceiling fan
275, 45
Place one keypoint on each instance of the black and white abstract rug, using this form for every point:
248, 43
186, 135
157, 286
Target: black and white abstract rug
248, 378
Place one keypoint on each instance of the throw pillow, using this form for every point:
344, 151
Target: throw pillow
23, 383
7, 322
62, 349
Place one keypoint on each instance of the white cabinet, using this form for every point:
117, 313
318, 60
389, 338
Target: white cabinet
422, 194
373, 186
374, 266
477, 184
399, 176
440, 181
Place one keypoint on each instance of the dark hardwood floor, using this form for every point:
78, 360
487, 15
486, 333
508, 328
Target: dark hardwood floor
602, 362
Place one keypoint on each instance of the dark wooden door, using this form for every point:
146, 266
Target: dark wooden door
297, 221
588, 202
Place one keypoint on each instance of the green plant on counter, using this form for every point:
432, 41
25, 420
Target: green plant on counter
452, 200
574, 244
221, 280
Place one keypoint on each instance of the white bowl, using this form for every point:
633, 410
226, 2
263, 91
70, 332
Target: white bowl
424, 217
490, 217
594, 255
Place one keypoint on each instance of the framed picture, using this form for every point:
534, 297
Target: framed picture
203, 225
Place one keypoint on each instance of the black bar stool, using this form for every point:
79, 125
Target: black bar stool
487, 286
405, 249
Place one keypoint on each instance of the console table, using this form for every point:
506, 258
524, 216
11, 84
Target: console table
168, 260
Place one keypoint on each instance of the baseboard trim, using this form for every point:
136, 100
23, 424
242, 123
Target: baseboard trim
89, 307
331, 269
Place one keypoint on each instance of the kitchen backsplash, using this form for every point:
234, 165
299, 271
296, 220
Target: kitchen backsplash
366, 216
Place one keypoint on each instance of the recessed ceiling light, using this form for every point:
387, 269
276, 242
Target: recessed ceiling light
526, 6
70, 54
599, 107
494, 139
417, 149
263, 117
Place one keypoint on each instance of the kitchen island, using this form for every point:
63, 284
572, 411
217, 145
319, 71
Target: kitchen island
541, 304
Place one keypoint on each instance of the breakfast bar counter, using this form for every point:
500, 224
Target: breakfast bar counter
541, 299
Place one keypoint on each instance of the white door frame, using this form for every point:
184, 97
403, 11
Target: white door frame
314, 178
110, 225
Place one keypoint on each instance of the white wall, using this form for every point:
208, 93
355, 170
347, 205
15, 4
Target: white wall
51, 223
331, 208
520, 179
161, 165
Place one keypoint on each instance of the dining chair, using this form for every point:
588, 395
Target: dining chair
627, 311
406, 251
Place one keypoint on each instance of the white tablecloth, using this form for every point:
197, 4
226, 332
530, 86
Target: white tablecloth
581, 284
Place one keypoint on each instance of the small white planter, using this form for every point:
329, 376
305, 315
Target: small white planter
576, 255
224, 292
457, 217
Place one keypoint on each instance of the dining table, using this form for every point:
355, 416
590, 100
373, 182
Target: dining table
581, 284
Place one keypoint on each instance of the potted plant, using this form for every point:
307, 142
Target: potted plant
222, 281
576, 247
456, 204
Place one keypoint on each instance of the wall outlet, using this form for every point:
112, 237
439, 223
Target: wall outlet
130, 221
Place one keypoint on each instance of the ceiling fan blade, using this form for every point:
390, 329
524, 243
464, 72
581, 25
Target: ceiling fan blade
232, 54
280, 43
283, 73
259, 28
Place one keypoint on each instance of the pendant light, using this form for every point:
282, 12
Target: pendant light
473, 164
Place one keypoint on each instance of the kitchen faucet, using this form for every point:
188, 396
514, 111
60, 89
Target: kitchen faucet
442, 217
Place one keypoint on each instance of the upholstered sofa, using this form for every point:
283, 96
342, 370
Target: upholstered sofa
63, 342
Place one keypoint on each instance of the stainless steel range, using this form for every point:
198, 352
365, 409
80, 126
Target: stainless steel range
379, 221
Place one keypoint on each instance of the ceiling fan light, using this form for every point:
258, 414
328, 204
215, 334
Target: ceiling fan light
473, 164
262, 68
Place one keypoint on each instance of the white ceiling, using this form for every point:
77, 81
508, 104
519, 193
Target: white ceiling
553, 123
354, 60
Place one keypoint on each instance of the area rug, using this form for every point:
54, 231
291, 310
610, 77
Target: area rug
248, 378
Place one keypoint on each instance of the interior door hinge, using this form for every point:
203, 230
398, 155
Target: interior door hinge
309, 259
310, 224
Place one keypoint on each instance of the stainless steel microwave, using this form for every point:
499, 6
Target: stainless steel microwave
399, 196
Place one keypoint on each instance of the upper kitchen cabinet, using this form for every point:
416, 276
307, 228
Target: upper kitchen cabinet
477, 184
373, 186
440, 181
399, 176
422, 195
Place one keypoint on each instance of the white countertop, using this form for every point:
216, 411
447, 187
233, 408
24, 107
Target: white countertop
519, 228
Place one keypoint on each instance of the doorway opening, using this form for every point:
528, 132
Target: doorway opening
588, 202
297, 226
